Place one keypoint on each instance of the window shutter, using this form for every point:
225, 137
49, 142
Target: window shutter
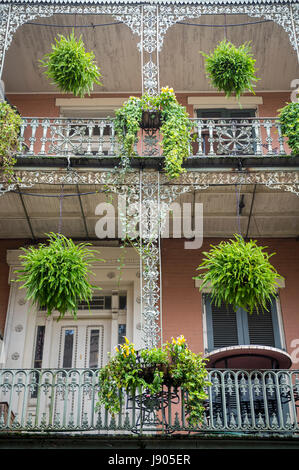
260, 328
227, 327
222, 325
218, 113
240, 113
263, 327
210, 113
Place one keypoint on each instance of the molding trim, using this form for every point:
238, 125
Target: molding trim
90, 102
110, 255
207, 289
222, 101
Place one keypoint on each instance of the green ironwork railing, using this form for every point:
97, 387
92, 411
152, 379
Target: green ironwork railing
54, 400
74, 137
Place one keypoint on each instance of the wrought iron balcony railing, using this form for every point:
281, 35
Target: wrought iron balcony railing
56, 137
36, 400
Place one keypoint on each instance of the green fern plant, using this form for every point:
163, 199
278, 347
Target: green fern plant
56, 275
72, 69
231, 69
239, 273
289, 121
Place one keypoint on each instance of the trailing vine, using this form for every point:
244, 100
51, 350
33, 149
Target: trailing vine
289, 121
173, 364
175, 129
10, 123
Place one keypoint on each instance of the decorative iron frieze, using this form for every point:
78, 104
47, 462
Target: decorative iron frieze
149, 22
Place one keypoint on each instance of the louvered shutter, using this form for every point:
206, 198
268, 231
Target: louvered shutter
262, 328
222, 325
227, 327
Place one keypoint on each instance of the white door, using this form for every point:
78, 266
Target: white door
62, 390
80, 348
81, 344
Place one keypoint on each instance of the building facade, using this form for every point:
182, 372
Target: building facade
240, 178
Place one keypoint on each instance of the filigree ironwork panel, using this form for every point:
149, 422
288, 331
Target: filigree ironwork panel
149, 22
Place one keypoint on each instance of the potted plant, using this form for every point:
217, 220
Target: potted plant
289, 121
231, 69
151, 369
72, 69
239, 273
10, 123
161, 112
56, 275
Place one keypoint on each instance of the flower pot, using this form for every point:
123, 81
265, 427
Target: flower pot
148, 373
151, 120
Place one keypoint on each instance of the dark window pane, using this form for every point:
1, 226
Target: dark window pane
38, 357
94, 348
122, 302
98, 302
39, 347
68, 349
108, 302
121, 333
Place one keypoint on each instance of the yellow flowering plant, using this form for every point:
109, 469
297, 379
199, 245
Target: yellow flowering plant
175, 128
173, 364
188, 370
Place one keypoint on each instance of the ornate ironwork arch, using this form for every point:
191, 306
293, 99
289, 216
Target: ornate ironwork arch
15, 15
150, 22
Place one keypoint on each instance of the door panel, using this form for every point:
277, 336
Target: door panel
82, 345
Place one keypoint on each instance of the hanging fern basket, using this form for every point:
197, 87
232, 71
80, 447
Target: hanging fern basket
239, 273
70, 67
56, 275
231, 69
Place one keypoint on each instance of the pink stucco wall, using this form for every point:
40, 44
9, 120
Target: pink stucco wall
182, 301
43, 105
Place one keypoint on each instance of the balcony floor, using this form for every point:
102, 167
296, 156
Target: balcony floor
194, 162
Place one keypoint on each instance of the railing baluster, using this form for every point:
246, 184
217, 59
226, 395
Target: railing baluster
90, 127
45, 123
279, 396
24, 125
101, 138
34, 125
268, 126
211, 127
52, 400
280, 139
199, 129
266, 408
111, 128
258, 139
